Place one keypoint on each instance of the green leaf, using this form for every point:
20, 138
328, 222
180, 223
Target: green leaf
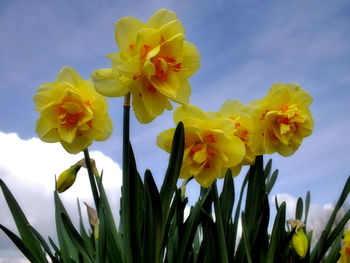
43, 243
114, 243
334, 253
101, 243
299, 209
174, 167
245, 238
66, 246
278, 234
267, 170
22, 224
83, 233
227, 199
307, 206
322, 244
270, 183
76, 238
190, 230
20, 245
153, 220
219, 224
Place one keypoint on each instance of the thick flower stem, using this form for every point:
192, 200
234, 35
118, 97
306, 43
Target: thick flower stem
126, 195
219, 225
91, 178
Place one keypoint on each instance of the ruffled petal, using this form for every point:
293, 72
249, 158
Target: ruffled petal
109, 83
67, 74
160, 18
190, 59
126, 30
188, 111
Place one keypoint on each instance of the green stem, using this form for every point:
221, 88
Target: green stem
126, 195
219, 225
91, 178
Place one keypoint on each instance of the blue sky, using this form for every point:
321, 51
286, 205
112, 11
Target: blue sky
245, 47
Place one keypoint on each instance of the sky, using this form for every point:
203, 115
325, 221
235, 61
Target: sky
245, 47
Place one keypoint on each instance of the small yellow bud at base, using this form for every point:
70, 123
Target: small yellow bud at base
300, 243
67, 178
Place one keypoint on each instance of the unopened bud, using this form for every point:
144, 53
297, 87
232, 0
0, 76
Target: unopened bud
67, 178
300, 242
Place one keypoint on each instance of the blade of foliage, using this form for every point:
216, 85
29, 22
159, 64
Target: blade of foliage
238, 209
114, 243
173, 170
277, 235
271, 182
334, 254
44, 244
76, 238
20, 245
299, 209
91, 178
153, 220
321, 245
190, 230
66, 246
83, 233
245, 238
307, 206
227, 199
267, 170
22, 224
101, 243
54, 246
219, 224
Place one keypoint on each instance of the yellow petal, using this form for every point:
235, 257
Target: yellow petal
168, 87
171, 29
126, 30
207, 177
165, 138
160, 18
138, 106
43, 95
188, 111
78, 144
173, 46
108, 83
183, 93
130, 68
67, 74
190, 59
154, 101
46, 132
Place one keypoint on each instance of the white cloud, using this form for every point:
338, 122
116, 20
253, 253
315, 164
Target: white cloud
28, 167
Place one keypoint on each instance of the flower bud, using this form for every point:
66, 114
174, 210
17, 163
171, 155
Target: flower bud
67, 178
300, 243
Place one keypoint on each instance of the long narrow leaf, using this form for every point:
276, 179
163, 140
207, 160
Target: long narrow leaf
22, 224
76, 238
173, 171
20, 245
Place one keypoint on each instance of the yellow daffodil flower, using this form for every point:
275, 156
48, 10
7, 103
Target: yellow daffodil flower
345, 251
282, 119
243, 129
71, 112
154, 64
210, 147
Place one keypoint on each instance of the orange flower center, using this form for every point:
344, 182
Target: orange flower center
70, 112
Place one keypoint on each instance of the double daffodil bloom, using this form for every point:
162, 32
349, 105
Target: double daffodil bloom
154, 64
282, 119
210, 146
71, 112
345, 251
243, 129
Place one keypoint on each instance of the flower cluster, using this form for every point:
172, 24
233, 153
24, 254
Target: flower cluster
234, 136
154, 64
